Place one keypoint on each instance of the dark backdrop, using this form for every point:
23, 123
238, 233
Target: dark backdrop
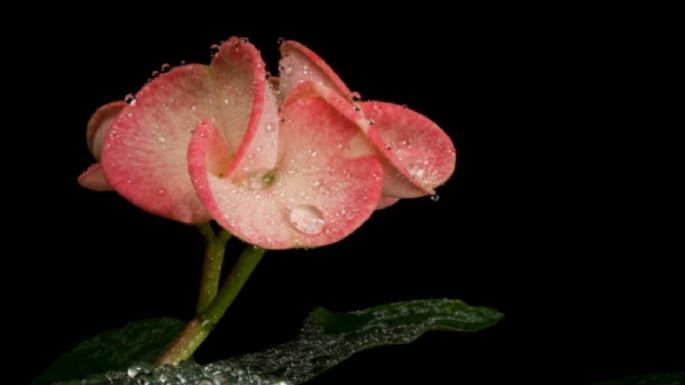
544, 218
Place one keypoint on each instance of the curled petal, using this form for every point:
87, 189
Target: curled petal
94, 179
386, 201
247, 112
144, 151
145, 155
99, 123
300, 64
326, 183
419, 156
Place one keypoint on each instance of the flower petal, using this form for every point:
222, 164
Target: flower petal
326, 183
144, 152
145, 156
386, 201
94, 179
419, 155
299, 64
99, 123
247, 114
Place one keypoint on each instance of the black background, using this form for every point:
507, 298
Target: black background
547, 218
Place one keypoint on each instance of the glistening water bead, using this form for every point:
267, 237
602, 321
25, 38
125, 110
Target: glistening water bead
307, 219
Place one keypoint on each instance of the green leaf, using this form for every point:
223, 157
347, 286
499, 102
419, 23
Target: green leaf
326, 339
138, 342
329, 338
674, 378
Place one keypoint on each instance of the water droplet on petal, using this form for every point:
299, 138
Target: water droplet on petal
417, 171
161, 139
161, 192
165, 67
307, 219
435, 197
356, 97
129, 98
269, 127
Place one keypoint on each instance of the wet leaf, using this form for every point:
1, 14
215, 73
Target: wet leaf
674, 378
326, 339
329, 338
138, 342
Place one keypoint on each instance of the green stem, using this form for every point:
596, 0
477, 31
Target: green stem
211, 270
197, 330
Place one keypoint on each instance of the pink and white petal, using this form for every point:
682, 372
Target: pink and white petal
94, 179
299, 64
317, 194
145, 151
386, 201
419, 155
247, 111
99, 123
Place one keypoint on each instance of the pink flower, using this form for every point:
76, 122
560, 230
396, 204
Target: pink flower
294, 161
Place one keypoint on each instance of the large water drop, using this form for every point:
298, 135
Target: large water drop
307, 219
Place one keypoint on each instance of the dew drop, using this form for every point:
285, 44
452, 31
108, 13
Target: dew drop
356, 97
161, 192
213, 49
161, 139
435, 197
269, 127
133, 372
417, 171
130, 99
307, 219
165, 67
154, 74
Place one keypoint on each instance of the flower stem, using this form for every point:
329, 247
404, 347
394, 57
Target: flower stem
197, 330
211, 270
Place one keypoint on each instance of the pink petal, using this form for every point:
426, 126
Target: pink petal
145, 156
94, 179
386, 201
144, 151
299, 64
326, 183
419, 155
99, 123
247, 115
